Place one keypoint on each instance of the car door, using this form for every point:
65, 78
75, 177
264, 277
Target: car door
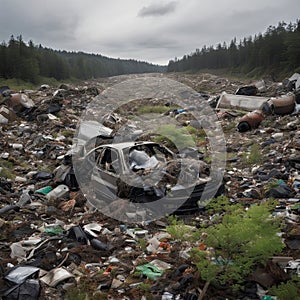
106, 173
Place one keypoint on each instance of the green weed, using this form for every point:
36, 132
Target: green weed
254, 156
172, 135
287, 290
156, 109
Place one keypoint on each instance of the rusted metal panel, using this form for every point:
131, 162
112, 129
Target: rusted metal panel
248, 103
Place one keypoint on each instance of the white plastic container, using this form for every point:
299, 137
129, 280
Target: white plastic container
277, 135
59, 191
17, 146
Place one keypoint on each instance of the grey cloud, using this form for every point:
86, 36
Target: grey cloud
154, 40
59, 29
41, 22
127, 30
147, 42
157, 9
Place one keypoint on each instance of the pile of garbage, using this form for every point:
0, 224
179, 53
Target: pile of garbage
55, 245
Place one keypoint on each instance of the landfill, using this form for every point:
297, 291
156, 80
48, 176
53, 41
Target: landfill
56, 245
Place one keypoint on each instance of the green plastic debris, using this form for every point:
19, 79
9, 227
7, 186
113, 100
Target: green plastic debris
150, 271
268, 298
45, 190
280, 182
54, 230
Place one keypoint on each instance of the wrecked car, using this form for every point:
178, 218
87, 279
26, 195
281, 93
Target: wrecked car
144, 172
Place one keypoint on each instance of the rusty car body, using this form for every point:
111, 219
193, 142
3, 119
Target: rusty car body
145, 172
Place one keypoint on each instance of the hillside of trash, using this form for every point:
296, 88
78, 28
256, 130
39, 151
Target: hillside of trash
57, 245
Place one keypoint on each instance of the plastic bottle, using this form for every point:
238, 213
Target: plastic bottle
59, 191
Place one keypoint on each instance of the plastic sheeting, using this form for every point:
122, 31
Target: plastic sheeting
141, 160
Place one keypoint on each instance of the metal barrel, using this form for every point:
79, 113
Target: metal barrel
250, 121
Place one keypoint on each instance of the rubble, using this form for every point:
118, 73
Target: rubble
54, 244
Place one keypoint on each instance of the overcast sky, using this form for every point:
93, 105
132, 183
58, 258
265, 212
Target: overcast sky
149, 30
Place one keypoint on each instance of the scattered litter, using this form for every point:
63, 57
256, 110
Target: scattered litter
55, 276
54, 242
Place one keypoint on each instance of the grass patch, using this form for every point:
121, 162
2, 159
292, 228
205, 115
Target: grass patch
207, 159
144, 287
6, 174
84, 289
74, 294
5, 169
198, 135
156, 109
229, 126
67, 133
142, 244
172, 135
254, 156
17, 84
6, 164
245, 74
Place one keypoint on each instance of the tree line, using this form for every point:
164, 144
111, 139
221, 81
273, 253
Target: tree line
31, 62
275, 52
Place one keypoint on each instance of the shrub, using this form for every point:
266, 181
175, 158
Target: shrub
234, 246
287, 291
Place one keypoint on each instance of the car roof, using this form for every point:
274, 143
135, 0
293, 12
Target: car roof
124, 145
